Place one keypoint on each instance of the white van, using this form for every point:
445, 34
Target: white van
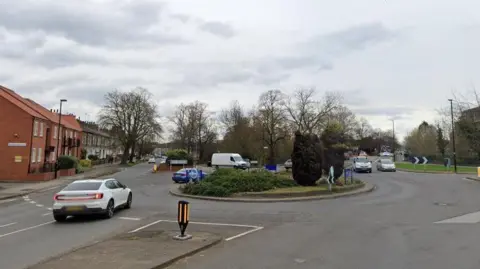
231, 160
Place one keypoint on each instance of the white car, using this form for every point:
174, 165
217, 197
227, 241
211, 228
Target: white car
91, 197
152, 160
386, 165
362, 165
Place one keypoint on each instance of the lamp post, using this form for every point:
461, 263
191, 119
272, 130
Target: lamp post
453, 137
58, 135
393, 139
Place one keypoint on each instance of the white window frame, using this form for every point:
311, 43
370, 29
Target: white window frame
39, 155
54, 155
55, 132
41, 129
35, 128
34, 155
74, 135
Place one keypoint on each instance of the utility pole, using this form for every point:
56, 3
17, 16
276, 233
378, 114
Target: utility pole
453, 137
393, 139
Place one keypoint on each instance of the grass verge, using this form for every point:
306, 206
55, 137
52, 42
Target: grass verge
435, 168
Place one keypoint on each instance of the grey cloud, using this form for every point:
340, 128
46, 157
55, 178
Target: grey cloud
63, 58
90, 24
218, 28
181, 17
395, 112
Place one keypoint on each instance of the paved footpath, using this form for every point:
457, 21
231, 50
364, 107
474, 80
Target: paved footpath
411, 221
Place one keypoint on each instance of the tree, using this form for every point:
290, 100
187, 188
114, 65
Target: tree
422, 140
441, 141
308, 115
194, 128
132, 115
362, 129
271, 117
239, 133
333, 139
306, 159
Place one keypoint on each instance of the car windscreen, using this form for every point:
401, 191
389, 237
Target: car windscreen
237, 158
361, 161
83, 186
387, 161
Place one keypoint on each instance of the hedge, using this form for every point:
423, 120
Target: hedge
226, 182
67, 162
86, 163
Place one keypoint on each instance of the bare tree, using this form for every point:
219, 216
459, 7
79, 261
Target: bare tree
239, 133
132, 115
363, 129
345, 118
272, 118
307, 114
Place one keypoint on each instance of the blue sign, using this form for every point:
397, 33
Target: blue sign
348, 173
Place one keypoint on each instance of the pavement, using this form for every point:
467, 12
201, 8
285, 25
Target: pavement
427, 221
10, 190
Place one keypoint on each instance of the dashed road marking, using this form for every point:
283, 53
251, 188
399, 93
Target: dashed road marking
129, 218
33, 202
463, 219
46, 214
50, 208
39, 205
6, 225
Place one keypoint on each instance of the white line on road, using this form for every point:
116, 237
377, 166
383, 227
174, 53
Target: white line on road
50, 208
7, 201
26, 229
6, 225
46, 214
467, 218
32, 202
244, 233
253, 228
39, 205
128, 218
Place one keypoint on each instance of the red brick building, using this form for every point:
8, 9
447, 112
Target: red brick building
28, 138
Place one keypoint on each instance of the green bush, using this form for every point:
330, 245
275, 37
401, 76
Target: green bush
179, 154
92, 157
86, 163
67, 162
225, 182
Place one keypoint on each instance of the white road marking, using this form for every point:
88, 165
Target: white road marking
253, 228
39, 205
27, 199
50, 208
6, 225
46, 214
7, 201
128, 218
146, 226
25, 196
467, 218
33, 202
26, 229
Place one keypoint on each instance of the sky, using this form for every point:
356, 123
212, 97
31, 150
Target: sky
397, 59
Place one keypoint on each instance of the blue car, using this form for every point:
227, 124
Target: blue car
186, 175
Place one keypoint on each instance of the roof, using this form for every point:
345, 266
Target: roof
19, 102
91, 180
88, 129
53, 116
72, 121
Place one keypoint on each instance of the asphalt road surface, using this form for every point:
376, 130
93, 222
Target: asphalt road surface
411, 221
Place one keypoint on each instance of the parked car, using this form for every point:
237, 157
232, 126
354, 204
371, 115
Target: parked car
288, 164
362, 165
230, 160
386, 165
187, 175
151, 161
91, 197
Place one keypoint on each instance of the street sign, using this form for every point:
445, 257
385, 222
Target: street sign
178, 162
425, 161
416, 160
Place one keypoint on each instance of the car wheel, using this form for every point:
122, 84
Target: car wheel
370, 171
59, 218
109, 212
128, 205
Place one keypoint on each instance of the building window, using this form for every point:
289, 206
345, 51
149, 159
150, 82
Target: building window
41, 129
54, 153
34, 155
35, 128
39, 157
55, 132
75, 135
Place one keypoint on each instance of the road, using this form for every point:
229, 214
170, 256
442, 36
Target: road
393, 227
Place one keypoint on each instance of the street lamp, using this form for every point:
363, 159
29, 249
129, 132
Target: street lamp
393, 139
58, 135
453, 136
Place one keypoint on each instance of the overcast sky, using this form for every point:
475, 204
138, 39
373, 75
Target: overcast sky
389, 58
